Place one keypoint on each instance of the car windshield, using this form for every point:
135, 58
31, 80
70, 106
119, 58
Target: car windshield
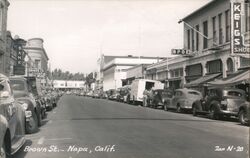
17, 85
235, 94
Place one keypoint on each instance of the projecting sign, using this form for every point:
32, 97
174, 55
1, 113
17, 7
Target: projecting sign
183, 52
238, 43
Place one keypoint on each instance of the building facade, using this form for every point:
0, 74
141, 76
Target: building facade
115, 67
35, 50
208, 38
4, 4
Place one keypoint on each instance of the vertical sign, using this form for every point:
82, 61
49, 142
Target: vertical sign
238, 44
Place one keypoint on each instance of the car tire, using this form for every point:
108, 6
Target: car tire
178, 108
243, 118
213, 113
195, 108
32, 125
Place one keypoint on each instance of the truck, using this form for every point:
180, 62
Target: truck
139, 85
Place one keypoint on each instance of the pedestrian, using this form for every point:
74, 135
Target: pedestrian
145, 97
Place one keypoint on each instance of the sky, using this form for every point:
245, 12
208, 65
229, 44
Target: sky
77, 32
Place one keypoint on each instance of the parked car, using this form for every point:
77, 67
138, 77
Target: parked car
123, 95
244, 113
35, 88
22, 93
220, 102
48, 100
160, 98
12, 120
183, 99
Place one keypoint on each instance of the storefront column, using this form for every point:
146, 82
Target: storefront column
184, 75
204, 68
224, 68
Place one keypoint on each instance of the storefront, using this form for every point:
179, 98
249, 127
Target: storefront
193, 72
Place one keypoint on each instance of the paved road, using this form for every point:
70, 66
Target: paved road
82, 127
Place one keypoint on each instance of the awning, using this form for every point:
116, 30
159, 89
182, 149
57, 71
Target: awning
241, 77
202, 80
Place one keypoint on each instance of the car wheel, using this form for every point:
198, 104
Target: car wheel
39, 119
178, 109
243, 117
213, 113
3, 153
195, 108
32, 125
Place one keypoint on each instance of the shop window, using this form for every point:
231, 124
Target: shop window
214, 66
194, 70
244, 62
230, 67
205, 33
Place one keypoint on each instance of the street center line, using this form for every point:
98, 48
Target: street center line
40, 141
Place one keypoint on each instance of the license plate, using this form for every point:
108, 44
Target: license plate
28, 114
224, 102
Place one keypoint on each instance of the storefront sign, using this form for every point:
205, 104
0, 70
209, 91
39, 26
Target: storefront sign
182, 52
238, 43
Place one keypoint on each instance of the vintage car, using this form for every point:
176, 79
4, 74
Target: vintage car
220, 102
35, 88
183, 99
23, 94
160, 98
12, 120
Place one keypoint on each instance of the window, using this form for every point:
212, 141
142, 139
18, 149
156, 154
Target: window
37, 63
227, 24
197, 37
188, 38
214, 29
220, 30
192, 35
205, 32
247, 17
1, 18
234, 93
230, 65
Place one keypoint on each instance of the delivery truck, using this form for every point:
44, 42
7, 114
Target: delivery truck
139, 85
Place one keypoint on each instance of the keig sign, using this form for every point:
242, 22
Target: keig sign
238, 43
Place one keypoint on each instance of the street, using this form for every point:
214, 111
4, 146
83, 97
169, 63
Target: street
85, 127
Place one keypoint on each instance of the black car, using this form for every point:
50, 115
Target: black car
220, 102
160, 97
33, 110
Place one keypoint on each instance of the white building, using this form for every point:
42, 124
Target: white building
114, 70
64, 84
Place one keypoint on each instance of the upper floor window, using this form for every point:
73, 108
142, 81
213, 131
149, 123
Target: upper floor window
197, 37
192, 36
220, 29
227, 25
1, 18
205, 33
37, 64
214, 29
188, 39
247, 16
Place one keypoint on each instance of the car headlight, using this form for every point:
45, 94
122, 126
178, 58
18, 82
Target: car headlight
25, 106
